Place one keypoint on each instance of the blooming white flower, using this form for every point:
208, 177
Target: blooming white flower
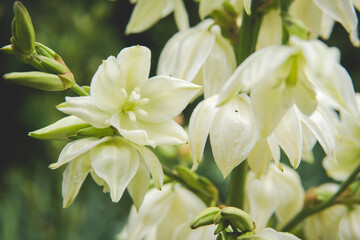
166, 215
280, 76
147, 12
347, 147
231, 128
113, 163
278, 192
337, 222
140, 109
196, 55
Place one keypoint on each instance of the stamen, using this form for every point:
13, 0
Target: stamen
132, 116
142, 112
144, 101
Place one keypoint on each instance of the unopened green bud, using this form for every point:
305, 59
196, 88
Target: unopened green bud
22, 30
205, 217
7, 49
93, 132
60, 130
238, 218
222, 225
38, 80
45, 51
51, 65
295, 26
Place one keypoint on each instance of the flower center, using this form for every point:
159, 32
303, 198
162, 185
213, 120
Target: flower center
133, 103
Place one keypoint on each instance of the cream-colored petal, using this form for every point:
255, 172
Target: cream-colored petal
289, 136
134, 63
85, 109
271, 234
259, 158
139, 185
74, 149
73, 177
344, 12
181, 16
305, 96
233, 133
221, 57
270, 100
199, 127
106, 84
146, 13
270, 33
117, 163
153, 165
168, 97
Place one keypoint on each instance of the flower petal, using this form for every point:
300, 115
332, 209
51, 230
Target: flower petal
259, 158
199, 127
139, 185
233, 133
222, 57
270, 100
146, 14
153, 164
344, 12
207, 6
106, 84
134, 63
289, 136
181, 16
85, 109
75, 149
168, 97
73, 177
117, 163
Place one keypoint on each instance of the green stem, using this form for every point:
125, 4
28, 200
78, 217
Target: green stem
81, 92
248, 33
236, 187
332, 201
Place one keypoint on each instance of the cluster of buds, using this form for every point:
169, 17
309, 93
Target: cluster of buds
53, 74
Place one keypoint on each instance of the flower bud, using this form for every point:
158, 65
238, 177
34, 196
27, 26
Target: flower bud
39, 80
205, 217
93, 132
50, 65
22, 30
60, 130
238, 218
45, 51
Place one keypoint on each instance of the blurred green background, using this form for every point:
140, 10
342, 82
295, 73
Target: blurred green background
83, 32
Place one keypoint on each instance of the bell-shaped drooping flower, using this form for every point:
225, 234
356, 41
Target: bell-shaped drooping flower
140, 109
336, 222
231, 128
200, 55
280, 76
113, 163
347, 147
278, 192
146, 13
166, 215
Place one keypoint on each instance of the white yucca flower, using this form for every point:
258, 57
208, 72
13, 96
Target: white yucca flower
113, 162
200, 55
278, 192
147, 12
166, 215
139, 108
